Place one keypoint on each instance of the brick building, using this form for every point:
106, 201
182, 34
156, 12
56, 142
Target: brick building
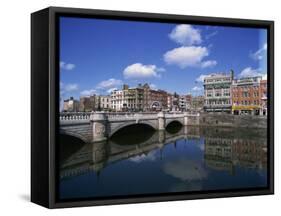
246, 96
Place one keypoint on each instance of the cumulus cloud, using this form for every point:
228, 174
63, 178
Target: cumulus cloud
185, 35
109, 84
209, 63
250, 72
88, 92
260, 53
153, 86
201, 78
197, 88
68, 87
141, 71
111, 90
189, 56
66, 66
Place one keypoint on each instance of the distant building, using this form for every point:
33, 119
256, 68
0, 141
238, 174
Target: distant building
217, 92
246, 96
87, 103
117, 100
157, 100
185, 102
197, 103
263, 97
70, 105
140, 98
105, 102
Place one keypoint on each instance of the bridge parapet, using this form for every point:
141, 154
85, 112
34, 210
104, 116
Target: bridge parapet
100, 125
74, 116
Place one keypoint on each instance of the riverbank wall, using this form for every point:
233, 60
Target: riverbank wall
229, 120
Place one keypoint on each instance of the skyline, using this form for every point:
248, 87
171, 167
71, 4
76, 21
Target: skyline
172, 57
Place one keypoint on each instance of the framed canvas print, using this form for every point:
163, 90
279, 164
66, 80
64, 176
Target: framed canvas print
138, 107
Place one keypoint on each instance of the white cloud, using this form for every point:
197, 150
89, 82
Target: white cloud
111, 90
88, 92
141, 71
197, 88
67, 66
185, 35
208, 36
69, 87
108, 84
153, 86
201, 78
208, 63
260, 53
251, 72
189, 56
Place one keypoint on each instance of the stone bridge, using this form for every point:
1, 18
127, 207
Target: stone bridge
96, 156
99, 126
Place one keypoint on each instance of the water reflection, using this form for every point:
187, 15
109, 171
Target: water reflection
177, 159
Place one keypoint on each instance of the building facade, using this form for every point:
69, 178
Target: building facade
263, 97
217, 92
70, 105
246, 98
105, 102
140, 98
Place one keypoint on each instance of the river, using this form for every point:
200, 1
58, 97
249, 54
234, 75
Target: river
138, 160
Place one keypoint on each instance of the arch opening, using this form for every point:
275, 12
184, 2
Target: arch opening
133, 134
68, 145
174, 127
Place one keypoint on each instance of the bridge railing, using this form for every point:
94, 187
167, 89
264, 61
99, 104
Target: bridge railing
75, 116
116, 116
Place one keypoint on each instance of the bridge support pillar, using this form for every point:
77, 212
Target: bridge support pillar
161, 121
99, 126
100, 155
185, 119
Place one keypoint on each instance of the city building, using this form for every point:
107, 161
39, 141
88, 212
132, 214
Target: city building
197, 103
140, 98
246, 96
87, 103
263, 97
105, 102
217, 92
70, 105
117, 100
184, 102
157, 100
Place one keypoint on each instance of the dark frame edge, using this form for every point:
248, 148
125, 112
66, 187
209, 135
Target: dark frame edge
39, 108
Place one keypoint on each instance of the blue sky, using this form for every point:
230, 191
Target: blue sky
97, 56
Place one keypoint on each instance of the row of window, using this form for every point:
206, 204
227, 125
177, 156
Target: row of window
218, 102
246, 102
246, 94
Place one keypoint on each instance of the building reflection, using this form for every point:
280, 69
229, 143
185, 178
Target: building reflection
228, 153
222, 150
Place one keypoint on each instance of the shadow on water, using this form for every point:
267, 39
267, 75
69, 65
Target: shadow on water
133, 134
68, 146
174, 127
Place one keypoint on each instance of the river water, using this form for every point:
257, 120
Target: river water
138, 160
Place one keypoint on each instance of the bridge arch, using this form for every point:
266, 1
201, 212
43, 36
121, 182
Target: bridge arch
74, 134
170, 121
127, 124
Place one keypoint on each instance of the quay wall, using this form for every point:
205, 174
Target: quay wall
229, 120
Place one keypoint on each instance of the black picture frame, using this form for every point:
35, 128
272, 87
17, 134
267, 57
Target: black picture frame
45, 99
